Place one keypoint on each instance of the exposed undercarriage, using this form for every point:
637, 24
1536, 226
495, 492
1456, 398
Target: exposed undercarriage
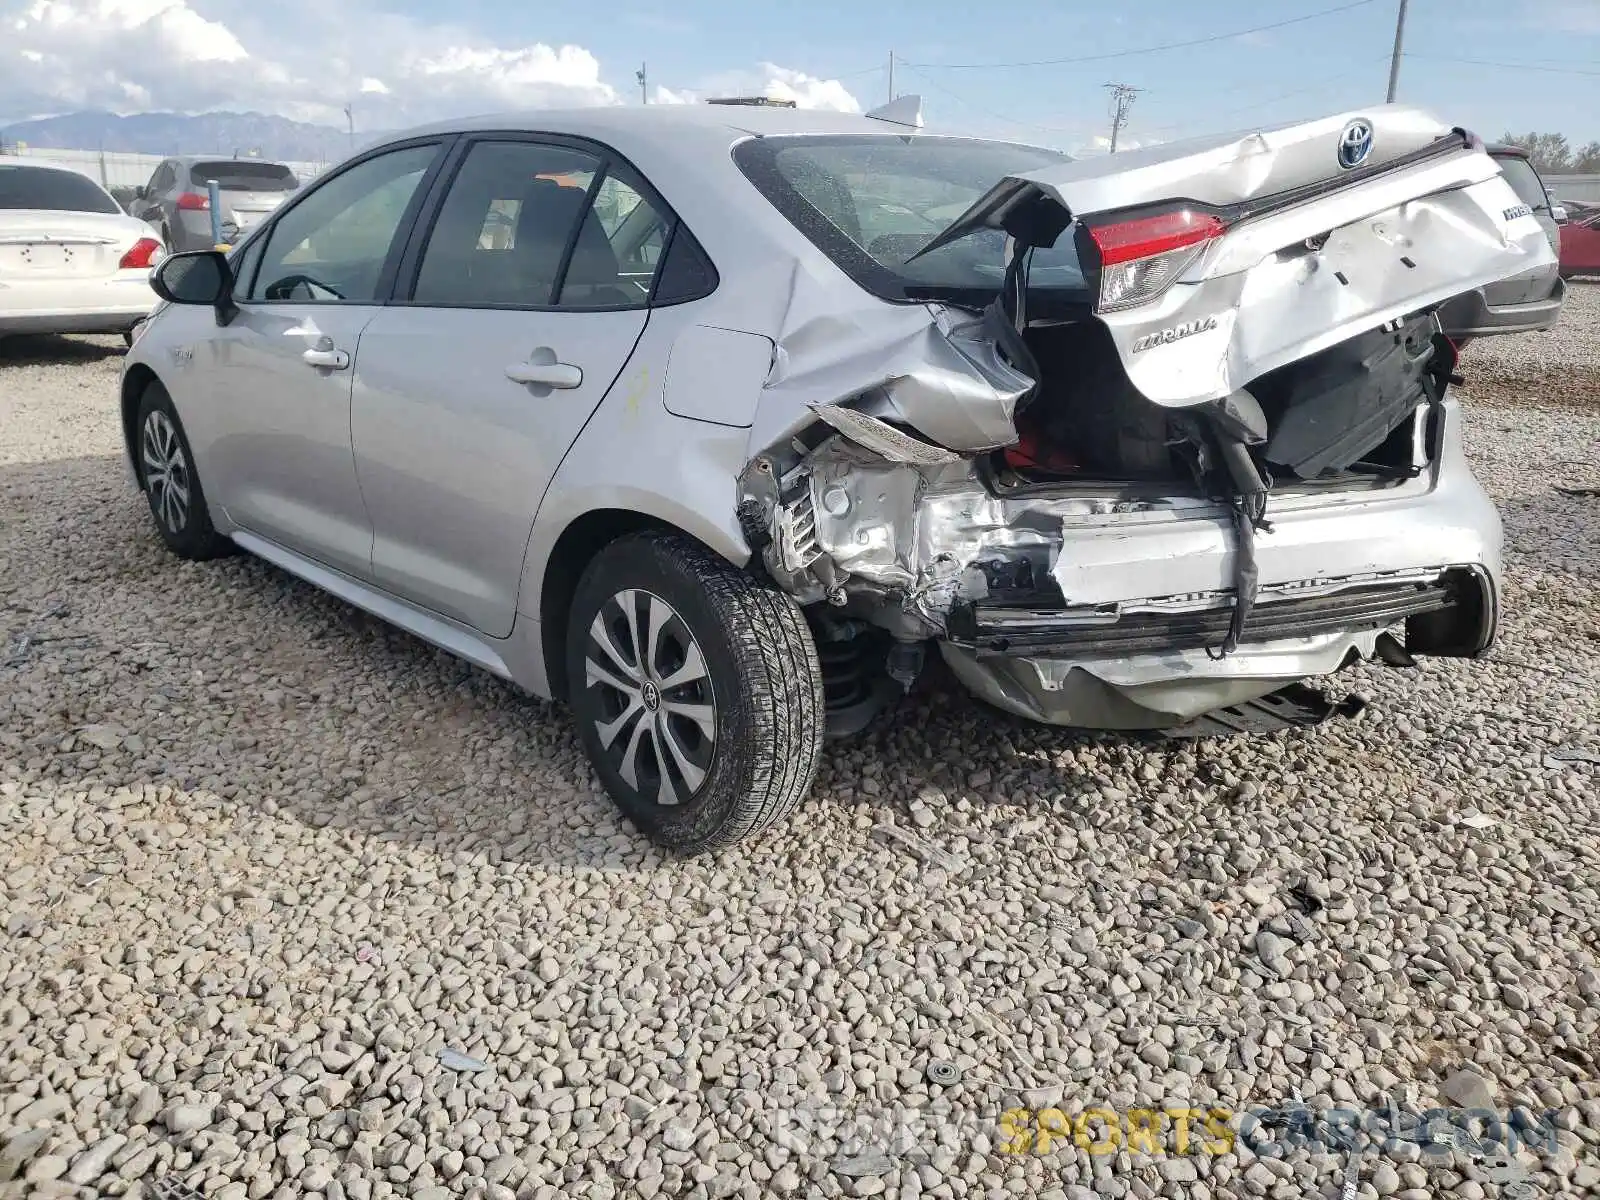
1087, 575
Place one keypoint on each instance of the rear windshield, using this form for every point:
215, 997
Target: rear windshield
872, 201
243, 176
1524, 181
63, 191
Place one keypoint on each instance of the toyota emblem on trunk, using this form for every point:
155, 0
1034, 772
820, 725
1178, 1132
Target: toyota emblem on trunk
1355, 144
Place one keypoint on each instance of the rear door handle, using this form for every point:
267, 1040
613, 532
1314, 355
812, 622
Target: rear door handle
550, 374
326, 358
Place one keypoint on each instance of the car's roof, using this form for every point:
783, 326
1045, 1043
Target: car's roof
663, 119
191, 159
40, 165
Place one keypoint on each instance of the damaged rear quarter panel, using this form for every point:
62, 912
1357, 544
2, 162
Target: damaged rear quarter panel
927, 365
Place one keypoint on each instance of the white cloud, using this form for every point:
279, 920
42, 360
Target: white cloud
808, 91
198, 55
1100, 144
205, 55
774, 82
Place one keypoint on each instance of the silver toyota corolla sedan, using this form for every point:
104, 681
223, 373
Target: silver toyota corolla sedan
717, 422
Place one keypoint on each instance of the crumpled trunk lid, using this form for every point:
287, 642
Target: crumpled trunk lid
1315, 232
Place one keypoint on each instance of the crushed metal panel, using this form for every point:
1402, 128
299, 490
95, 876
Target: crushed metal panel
1149, 690
1222, 169
1287, 306
881, 437
1233, 168
932, 368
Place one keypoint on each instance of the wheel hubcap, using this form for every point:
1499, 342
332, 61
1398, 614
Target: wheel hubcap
166, 471
657, 715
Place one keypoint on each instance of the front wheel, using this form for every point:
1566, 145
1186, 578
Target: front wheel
170, 482
696, 689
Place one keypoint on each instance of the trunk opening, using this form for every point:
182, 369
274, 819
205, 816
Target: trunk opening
1357, 415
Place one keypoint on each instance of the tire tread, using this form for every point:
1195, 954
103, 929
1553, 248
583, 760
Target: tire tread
784, 709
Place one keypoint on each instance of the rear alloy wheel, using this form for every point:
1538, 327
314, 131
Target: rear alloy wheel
171, 485
697, 691
652, 679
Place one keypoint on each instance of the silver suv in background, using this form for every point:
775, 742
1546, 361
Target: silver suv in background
1531, 300
176, 200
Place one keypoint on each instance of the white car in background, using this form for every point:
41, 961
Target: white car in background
71, 261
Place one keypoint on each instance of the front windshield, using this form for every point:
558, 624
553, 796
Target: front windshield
881, 198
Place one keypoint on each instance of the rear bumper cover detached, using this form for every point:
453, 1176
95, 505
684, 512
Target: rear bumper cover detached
1085, 678
1106, 612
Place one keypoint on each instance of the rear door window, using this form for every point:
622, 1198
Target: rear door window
537, 225
619, 249
503, 230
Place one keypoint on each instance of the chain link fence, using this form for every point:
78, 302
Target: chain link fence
120, 173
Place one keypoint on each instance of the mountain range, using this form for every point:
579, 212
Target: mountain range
178, 133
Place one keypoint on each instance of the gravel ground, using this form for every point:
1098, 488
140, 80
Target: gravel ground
295, 905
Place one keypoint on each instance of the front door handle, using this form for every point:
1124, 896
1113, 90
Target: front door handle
326, 358
542, 368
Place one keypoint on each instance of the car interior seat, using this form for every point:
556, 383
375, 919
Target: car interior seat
543, 223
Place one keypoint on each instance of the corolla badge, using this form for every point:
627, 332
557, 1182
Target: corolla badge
1355, 144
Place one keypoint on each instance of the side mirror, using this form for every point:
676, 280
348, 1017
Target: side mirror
196, 277
141, 192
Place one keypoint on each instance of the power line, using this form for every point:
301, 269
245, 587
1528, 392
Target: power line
1203, 41
988, 112
1484, 62
863, 71
1343, 79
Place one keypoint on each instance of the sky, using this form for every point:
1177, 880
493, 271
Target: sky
1491, 65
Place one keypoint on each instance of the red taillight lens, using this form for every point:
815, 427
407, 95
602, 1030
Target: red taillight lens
1141, 257
1145, 237
193, 200
142, 254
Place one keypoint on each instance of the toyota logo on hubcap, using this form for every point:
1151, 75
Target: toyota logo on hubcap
651, 696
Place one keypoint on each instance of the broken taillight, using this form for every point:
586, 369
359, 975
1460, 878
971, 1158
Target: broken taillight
1141, 256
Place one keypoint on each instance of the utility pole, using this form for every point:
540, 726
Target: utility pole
643, 76
1399, 43
891, 76
1122, 97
